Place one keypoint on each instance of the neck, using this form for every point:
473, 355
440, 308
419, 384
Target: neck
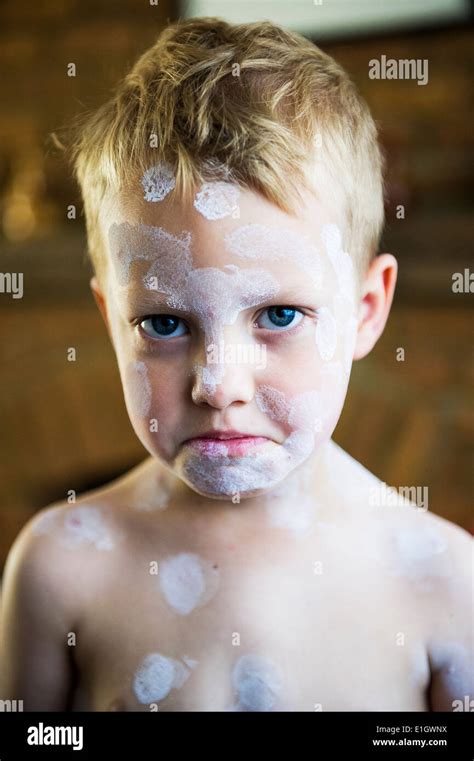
303, 496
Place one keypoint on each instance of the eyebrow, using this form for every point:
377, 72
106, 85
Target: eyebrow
139, 300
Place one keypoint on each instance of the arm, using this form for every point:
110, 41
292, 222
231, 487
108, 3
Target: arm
35, 665
451, 650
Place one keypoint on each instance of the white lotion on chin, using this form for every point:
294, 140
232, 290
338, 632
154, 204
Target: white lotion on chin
187, 581
157, 182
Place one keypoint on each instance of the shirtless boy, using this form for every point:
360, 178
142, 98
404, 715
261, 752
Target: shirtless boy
233, 198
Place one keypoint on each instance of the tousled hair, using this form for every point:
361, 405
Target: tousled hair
253, 103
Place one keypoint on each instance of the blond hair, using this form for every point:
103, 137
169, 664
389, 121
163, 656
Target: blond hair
252, 98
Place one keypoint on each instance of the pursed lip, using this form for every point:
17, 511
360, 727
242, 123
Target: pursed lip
229, 443
224, 435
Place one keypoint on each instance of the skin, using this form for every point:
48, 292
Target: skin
181, 403
266, 572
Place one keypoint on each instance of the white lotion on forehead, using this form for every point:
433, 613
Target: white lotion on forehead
187, 581
258, 682
341, 260
157, 182
216, 200
130, 243
76, 527
157, 676
326, 333
137, 389
215, 296
256, 241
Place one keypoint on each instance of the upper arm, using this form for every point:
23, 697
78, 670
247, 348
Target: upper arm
35, 665
451, 649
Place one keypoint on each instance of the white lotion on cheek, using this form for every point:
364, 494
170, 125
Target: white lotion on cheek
157, 182
216, 200
326, 333
187, 581
137, 389
309, 413
76, 527
157, 676
258, 682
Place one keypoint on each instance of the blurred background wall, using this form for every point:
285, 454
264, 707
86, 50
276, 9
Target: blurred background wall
63, 425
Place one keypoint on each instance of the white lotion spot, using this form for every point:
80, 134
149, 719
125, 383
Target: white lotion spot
157, 182
261, 242
187, 581
326, 334
137, 389
258, 683
341, 260
216, 200
76, 527
157, 676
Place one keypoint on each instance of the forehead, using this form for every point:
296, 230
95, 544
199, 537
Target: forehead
216, 242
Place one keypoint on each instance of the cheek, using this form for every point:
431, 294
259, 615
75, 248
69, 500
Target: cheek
137, 389
153, 403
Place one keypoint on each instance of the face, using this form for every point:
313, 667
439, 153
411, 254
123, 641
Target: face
227, 314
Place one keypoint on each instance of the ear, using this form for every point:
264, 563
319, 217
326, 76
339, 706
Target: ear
100, 301
377, 295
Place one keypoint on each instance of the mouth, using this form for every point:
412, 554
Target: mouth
221, 443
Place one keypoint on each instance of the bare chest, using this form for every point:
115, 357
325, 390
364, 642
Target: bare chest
223, 636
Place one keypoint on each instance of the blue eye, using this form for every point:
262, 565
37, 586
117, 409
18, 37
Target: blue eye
281, 317
163, 326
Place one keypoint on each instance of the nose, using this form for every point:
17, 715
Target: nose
218, 382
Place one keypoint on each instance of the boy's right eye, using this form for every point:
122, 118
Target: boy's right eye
165, 326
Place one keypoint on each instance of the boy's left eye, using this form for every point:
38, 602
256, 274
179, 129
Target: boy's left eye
281, 317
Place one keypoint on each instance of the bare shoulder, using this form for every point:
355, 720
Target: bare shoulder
436, 557
58, 544
40, 568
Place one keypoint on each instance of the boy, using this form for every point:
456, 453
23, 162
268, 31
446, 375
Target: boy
233, 200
